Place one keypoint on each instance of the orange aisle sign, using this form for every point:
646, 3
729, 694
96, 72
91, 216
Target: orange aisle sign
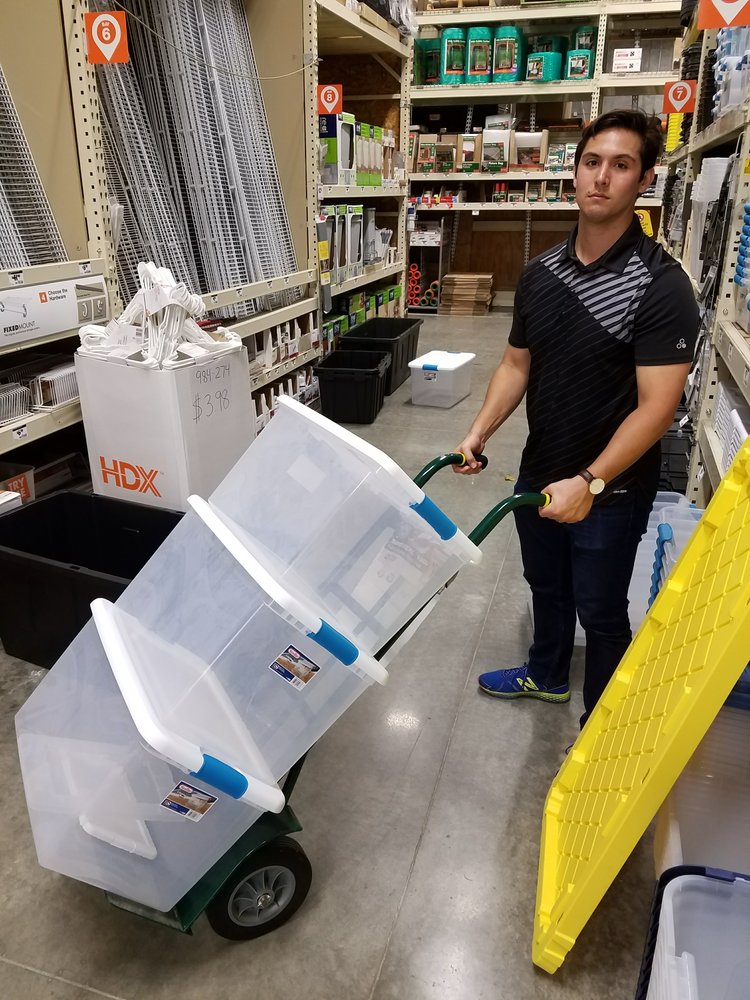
107, 37
330, 98
679, 96
723, 13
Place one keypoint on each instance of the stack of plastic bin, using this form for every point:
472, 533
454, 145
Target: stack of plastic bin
701, 944
160, 735
640, 593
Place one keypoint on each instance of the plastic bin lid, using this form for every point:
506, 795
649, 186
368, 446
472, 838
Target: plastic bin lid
442, 360
668, 688
415, 497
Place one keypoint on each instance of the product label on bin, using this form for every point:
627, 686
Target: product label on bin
294, 667
189, 801
429, 376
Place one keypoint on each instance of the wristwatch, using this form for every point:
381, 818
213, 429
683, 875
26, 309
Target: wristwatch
595, 485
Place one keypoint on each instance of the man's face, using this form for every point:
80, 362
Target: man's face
608, 180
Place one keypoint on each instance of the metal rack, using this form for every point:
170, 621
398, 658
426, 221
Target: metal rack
330, 28
524, 92
728, 351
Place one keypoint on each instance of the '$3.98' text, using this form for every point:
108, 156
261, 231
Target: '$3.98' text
205, 405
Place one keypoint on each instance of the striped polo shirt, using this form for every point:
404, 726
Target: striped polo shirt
586, 328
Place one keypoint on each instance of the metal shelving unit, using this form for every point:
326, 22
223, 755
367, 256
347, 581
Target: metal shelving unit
370, 274
729, 357
38, 425
602, 84
520, 206
332, 29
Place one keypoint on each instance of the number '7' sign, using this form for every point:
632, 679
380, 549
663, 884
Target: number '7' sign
679, 96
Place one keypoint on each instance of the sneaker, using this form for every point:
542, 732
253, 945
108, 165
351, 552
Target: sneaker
516, 683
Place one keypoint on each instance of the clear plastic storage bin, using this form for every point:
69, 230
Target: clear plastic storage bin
340, 520
702, 943
160, 735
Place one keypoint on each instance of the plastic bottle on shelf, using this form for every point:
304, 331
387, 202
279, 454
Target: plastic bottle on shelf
509, 55
479, 54
453, 56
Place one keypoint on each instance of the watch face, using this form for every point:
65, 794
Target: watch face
596, 486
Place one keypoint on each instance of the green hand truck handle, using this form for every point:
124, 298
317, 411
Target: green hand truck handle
498, 512
452, 458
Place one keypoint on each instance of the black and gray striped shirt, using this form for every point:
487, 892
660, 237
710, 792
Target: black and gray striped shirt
587, 327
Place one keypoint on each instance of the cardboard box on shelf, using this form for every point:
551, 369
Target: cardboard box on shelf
445, 154
471, 152
362, 151
495, 149
337, 133
529, 150
412, 150
426, 154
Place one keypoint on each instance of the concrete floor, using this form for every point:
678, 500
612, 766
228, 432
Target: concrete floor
421, 809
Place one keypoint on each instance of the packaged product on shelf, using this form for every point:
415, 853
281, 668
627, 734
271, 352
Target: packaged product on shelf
355, 225
362, 154
544, 67
495, 149
9, 501
389, 150
338, 144
479, 54
534, 191
342, 249
509, 55
529, 150
426, 156
376, 163
516, 193
18, 480
413, 149
585, 37
553, 191
453, 56
471, 152
445, 154
580, 64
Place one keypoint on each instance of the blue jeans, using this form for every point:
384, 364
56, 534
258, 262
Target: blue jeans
585, 568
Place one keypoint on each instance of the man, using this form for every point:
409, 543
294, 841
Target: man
603, 333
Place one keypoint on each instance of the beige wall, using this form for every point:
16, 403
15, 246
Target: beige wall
32, 55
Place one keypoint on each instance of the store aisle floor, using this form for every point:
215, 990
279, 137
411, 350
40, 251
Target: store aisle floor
421, 808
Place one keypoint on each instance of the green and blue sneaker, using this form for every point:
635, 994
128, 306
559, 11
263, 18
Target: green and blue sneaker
517, 683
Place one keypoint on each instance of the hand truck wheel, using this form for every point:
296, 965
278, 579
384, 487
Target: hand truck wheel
263, 893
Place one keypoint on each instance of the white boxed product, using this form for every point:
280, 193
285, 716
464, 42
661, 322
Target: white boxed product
158, 435
160, 735
355, 240
701, 948
441, 378
9, 501
341, 520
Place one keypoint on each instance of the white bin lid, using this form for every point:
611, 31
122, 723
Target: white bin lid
442, 360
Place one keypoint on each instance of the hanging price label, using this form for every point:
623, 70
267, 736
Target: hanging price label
723, 13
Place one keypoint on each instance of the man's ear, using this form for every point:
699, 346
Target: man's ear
648, 179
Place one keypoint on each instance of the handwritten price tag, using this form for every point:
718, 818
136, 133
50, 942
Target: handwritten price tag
208, 404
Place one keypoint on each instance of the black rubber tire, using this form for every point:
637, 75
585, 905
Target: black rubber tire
295, 876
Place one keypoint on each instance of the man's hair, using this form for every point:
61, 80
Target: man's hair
647, 127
